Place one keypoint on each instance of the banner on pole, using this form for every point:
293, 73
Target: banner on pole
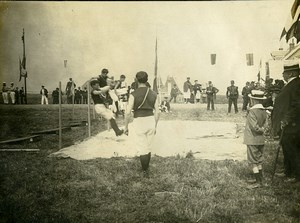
249, 59
213, 58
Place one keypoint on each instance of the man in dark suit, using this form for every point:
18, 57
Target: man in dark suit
22, 95
232, 94
174, 93
84, 96
187, 87
286, 121
245, 92
211, 92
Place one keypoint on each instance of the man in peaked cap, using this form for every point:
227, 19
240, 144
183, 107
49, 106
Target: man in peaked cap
286, 121
232, 95
211, 92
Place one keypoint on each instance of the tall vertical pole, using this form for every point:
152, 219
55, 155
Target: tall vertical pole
59, 118
24, 66
89, 109
73, 98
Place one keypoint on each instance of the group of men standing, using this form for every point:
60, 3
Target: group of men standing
192, 93
78, 95
12, 94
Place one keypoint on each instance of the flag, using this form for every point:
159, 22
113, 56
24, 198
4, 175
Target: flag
213, 58
249, 59
291, 28
258, 75
22, 64
155, 86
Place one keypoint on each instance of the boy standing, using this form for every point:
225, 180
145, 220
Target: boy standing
254, 135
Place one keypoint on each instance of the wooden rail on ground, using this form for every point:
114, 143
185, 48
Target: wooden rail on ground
52, 131
19, 150
32, 138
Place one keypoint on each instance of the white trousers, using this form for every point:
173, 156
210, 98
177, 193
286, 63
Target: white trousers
5, 97
103, 111
13, 97
187, 94
143, 130
44, 99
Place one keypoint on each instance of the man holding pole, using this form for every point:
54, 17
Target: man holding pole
286, 121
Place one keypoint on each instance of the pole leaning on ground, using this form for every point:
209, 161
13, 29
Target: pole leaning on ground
276, 158
89, 109
60, 121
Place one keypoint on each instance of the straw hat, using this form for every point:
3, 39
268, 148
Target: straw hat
257, 94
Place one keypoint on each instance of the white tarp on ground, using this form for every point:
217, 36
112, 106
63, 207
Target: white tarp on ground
206, 140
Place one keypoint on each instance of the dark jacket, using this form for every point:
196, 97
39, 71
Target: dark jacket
287, 108
187, 86
232, 92
45, 92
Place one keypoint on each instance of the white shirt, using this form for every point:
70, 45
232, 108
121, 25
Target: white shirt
290, 79
257, 106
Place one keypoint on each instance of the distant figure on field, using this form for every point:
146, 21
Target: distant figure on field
254, 135
22, 95
5, 93
17, 96
70, 91
84, 95
55, 96
211, 92
245, 92
232, 95
12, 93
187, 90
165, 105
44, 93
197, 91
78, 96
174, 93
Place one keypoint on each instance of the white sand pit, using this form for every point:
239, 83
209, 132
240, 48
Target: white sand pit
205, 139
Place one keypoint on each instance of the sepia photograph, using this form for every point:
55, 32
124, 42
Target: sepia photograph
150, 111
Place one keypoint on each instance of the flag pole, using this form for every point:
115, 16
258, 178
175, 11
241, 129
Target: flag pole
25, 77
89, 109
59, 118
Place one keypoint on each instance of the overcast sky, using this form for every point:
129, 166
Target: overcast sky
121, 36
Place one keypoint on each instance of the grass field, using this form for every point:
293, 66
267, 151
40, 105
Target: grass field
36, 188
